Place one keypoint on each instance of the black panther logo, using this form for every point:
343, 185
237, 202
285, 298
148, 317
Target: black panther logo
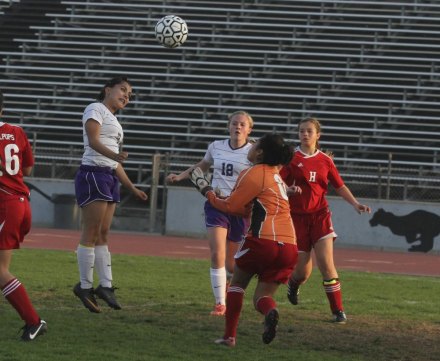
416, 226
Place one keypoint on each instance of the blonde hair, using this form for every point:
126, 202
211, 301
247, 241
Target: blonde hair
241, 112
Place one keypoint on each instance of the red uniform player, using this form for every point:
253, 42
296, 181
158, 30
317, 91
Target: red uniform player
16, 161
308, 175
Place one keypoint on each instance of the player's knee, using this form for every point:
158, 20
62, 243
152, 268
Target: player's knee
5, 276
104, 234
218, 259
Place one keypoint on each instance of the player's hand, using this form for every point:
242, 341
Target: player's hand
121, 157
293, 189
140, 194
199, 180
219, 194
361, 208
172, 178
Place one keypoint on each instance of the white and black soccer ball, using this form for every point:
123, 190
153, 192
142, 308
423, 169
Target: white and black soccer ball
171, 31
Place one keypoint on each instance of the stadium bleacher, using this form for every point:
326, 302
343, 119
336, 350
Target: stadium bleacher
367, 69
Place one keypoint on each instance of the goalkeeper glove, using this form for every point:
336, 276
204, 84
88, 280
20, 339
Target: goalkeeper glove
199, 180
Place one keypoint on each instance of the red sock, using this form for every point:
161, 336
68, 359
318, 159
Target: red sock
333, 291
17, 296
265, 304
234, 303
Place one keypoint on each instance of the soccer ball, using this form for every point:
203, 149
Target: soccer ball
171, 31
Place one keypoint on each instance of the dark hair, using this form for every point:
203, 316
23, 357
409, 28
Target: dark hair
275, 150
110, 84
1, 101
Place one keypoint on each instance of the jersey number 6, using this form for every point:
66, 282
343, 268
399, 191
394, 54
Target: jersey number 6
12, 162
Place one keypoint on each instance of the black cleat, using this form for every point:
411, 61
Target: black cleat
292, 292
108, 295
31, 332
339, 317
270, 326
87, 298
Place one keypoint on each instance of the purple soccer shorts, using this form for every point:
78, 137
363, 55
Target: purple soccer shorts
96, 184
236, 226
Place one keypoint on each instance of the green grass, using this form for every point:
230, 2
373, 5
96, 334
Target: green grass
165, 316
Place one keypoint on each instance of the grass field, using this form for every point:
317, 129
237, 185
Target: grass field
166, 306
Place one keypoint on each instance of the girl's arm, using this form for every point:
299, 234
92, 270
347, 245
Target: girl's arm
92, 130
126, 182
239, 202
346, 194
173, 178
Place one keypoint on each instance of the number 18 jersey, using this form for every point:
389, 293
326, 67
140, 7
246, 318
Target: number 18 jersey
15, 154
228, 164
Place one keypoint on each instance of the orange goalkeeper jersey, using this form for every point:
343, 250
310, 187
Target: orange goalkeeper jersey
260, 190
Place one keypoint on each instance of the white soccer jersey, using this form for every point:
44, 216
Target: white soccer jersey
228, 164
110, 135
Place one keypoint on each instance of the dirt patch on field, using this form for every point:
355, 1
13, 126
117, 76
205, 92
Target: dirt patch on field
369, 338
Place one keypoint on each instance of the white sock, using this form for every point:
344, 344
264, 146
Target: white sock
218, 284
86, 261
103, 265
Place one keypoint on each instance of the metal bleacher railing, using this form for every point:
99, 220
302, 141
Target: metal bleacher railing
369, 73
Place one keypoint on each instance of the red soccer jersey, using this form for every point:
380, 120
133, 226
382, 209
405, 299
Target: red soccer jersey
311, 173
15, 154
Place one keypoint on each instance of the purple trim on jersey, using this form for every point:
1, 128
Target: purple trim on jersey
236, 226
96, 184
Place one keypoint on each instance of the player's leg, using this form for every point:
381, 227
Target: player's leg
303, 268
264, 303
237, 229
282, 259
332, 286
15, 217
239, 282
299, 276
217, 246
14, 291
103, 264
231, 249
92, 218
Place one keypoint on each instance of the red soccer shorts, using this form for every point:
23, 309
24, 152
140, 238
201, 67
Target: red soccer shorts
312, 227
15, 220
271, 261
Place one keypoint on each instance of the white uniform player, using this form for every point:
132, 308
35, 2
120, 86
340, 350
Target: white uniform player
225, 231
97, 191
228, 164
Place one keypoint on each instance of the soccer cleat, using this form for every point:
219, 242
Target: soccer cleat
31, 332
339, 317
87, 298
219, 310
292, 292
270, 326
108, 295
230, 341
